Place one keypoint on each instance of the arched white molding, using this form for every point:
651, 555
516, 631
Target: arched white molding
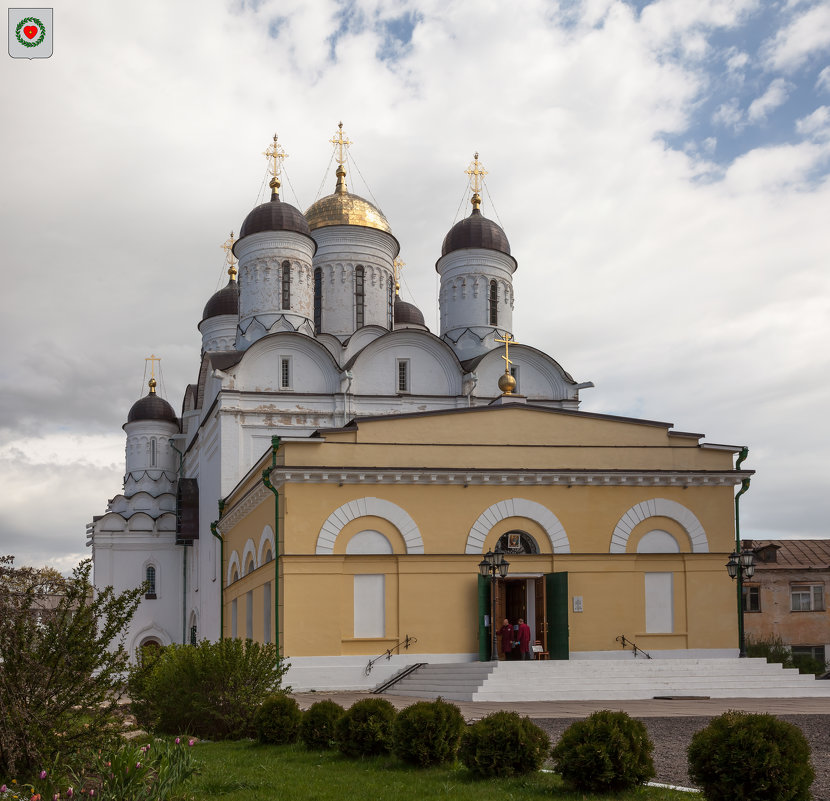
518, 507
659, 507
362, 507
249, 551
233, 562
151, 632
266, 539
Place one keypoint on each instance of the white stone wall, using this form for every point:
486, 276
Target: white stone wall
219, 333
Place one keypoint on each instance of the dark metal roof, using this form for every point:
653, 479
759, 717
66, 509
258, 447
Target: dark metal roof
273, 216
475, 231
225, 301
794, 553
408, 313
152, 407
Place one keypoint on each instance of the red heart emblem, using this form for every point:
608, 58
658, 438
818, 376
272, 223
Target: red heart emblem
30, 31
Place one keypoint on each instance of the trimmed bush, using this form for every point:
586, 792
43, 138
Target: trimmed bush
212, 689
428, 733
318, 725
365, 729
503, 744
606, 752
752, 758
278, 720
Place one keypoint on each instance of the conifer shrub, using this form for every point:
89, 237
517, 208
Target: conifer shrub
503, 744
428, 733
606, 752
365, 728
752, 758
318, 725
212, 690
278, 720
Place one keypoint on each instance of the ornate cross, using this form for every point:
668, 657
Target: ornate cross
227, 246
475, 171
277, 155
397, 266
341, 143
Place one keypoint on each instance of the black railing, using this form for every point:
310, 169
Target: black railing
624, 641
405, 642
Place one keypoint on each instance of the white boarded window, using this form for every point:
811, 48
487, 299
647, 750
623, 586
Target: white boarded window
658, 541
249, 614
369, 541
370, 605
659, 603
266, 612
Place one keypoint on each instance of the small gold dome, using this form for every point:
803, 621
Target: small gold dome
344, 208
507, 383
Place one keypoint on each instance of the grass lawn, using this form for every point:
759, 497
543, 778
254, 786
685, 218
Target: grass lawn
242, 771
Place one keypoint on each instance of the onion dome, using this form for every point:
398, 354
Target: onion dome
344, 208
225, 301
274, 216
152, 407
407, 313
475, 231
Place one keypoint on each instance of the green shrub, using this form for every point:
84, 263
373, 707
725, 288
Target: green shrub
62, 664
365, 729
503, 744
212, 689
277, 721
751, 758
318, 725
428, 733
772, 649
808, 664
606, 752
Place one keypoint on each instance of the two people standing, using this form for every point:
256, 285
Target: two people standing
515, 639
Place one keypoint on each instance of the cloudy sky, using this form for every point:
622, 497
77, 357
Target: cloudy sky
661, 171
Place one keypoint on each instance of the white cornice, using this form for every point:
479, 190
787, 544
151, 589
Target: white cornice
244, 507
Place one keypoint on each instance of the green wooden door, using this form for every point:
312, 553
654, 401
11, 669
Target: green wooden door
556, 594
483, 611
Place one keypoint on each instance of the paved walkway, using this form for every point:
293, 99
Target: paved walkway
473, 710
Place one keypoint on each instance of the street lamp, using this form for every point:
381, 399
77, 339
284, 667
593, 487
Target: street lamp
492, 565
740, 566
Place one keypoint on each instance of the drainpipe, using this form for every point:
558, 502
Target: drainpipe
184, 555
215, 531
266, 479
740, 578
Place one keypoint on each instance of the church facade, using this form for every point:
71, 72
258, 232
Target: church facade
338, 472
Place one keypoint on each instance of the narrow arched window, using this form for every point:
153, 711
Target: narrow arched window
318, 300
390, 305
152, 453
358, 297
494, 304
150, 578
286, 285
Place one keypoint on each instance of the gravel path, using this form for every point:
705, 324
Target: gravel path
671, 738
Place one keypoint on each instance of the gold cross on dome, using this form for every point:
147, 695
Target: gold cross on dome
227, 246
152, 358
341, 143
397, 266
508, 338
277, 155
476, 172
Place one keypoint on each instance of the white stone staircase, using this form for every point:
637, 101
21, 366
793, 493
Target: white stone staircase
609, 680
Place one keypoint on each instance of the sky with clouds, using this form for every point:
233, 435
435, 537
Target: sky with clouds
660, 168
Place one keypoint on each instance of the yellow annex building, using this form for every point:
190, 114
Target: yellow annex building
342, 481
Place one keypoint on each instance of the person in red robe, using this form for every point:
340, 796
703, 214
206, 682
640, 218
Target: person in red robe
506, 637
524, 639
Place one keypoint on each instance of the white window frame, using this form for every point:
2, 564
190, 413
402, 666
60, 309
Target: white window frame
407, 376
810, 597
286, 373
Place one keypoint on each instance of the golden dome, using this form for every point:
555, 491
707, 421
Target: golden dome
344, 208
507, 384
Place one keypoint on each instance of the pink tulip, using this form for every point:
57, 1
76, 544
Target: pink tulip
43, 774
178, 740
3, 789
191, 742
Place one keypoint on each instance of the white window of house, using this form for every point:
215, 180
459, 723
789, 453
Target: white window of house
659, 603
402, 367
249, 614
370, 605
285, 372
752, 598
812, 651
807, 597
234, 615
266, 612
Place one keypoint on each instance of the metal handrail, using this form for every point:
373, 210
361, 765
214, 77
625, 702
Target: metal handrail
624, 642
405, 642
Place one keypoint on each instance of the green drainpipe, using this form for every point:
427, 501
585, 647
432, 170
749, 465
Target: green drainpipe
215, 531
740, 578
266, 479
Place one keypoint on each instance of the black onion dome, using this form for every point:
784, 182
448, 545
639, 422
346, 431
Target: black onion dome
152, 407
407, 313
274, 216
475, 231
225, 301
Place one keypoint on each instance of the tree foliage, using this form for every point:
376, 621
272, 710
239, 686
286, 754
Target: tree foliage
62, 663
